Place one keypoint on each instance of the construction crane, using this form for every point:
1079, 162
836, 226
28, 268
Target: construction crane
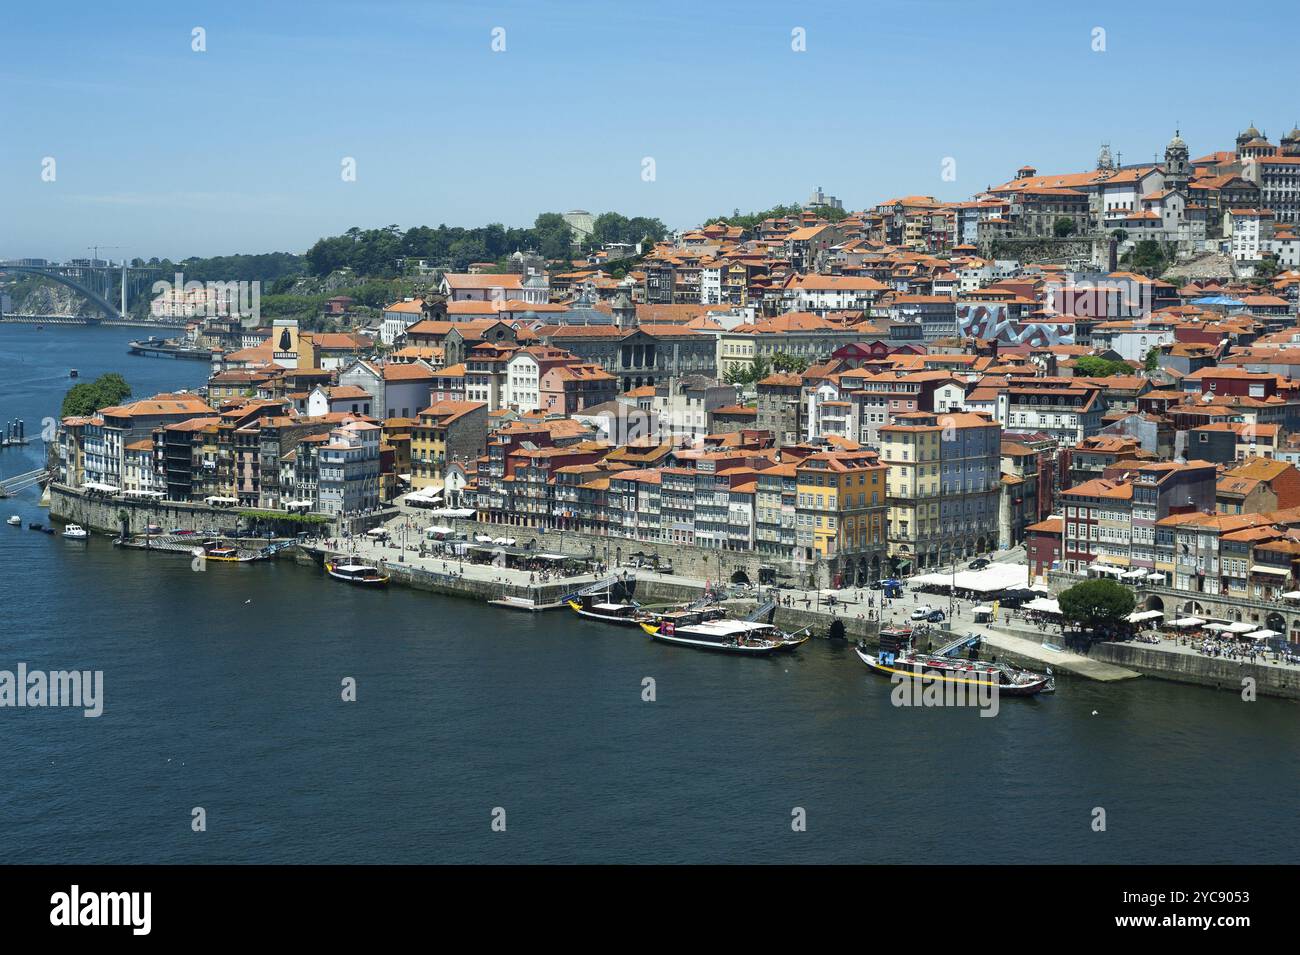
96, 248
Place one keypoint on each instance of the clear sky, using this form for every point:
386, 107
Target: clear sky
162, 150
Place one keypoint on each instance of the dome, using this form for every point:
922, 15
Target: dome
1294, 134
1250, 132
1177, 141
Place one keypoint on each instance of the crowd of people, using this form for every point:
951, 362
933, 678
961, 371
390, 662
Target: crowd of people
1242, 651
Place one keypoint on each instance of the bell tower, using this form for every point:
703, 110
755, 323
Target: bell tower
1177, 163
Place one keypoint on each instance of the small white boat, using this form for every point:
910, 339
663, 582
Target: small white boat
14, 521
75, 532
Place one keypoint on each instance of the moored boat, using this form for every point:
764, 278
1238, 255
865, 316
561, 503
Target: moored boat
361, 574
897, 656
215, 550
690, 629
14, 521
75, 532
600, 607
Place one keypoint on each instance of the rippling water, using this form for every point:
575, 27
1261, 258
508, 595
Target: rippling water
222, 690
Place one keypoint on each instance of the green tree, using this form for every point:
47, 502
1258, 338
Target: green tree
554, 236
757, 369
1096, 604
1063, 227
796, 364
1094, 366
87, 397
1152, 359
610, 227
1148, 256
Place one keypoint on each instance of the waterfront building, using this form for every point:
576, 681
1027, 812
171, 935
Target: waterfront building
841, 516
349, 469
446, 432
943, 487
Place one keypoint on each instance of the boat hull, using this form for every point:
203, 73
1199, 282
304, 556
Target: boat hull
930, 673
685, 640
603, 618
380, 581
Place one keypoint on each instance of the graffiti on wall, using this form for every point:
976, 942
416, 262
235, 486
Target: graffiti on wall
990, 321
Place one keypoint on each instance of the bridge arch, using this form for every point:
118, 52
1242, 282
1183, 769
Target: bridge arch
101, 303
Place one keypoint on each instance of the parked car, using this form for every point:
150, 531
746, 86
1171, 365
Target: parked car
979, 563
935, 616
922, 612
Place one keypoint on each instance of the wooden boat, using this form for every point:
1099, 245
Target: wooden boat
215, 550
897, 656
360, 574
599, 607
689, 629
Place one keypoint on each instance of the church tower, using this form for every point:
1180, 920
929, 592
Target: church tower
1104, 161
624, 311
1177, 163
1291, 142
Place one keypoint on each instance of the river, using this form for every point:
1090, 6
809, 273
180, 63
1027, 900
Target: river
222, 691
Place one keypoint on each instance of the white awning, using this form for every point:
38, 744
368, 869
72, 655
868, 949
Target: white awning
1044, 605
1108, 569
1279, 571
97, 486
1262, 635
1186, 622
439, 529
1237, 627
1139, 615
983, 610
1292, 595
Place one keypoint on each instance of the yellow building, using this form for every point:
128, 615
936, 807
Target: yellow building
446, 432
944, 486
840, 511
395, 438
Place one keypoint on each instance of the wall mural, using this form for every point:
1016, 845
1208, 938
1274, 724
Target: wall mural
988, 321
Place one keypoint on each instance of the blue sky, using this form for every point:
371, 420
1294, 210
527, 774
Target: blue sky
165, 151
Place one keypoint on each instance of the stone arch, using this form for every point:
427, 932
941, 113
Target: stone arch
1275, 621
740, 577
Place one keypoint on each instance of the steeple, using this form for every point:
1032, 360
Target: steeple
1104, 161
624, 310
1177, 161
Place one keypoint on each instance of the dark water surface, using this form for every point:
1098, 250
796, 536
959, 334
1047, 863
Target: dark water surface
222, 690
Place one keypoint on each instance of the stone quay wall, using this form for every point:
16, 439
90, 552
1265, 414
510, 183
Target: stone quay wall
1270, 680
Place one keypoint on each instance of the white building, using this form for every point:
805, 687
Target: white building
349, 469
831, 293
1248, 230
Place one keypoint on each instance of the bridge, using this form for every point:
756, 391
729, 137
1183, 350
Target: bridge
92, 281
20, 482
